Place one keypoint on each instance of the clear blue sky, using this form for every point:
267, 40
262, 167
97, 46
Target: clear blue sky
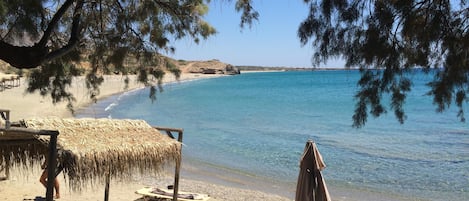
271, 41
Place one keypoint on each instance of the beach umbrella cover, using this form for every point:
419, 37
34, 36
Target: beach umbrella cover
311, 185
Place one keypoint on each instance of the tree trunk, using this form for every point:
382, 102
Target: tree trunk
22, 57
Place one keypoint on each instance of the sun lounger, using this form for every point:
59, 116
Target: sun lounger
150, 193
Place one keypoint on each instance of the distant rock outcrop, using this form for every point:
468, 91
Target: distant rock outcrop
208, 67
231, 70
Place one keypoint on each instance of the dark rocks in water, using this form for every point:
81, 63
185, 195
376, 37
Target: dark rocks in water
231, 70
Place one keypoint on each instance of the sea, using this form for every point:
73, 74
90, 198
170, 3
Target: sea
250, 130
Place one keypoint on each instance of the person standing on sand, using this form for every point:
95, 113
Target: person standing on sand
43, 180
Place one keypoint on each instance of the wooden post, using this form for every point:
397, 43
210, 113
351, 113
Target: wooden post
7, 168
178, 169
51, 165
106, 189
6, 116
179, 159
52, 156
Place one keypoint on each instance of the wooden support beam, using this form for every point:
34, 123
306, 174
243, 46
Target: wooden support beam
5, 114
177, 170
106, 188
179, 130
52, 163
52, 156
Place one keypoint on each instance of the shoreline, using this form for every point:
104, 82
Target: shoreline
24, 184
23, 104
198, 177
195, 170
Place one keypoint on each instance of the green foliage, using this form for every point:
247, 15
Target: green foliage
3, 11
248, 13
122, 36
393, 37
93, 81
24, 15
171, 67
53, 79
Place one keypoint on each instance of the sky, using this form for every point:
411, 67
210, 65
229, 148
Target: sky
272, 41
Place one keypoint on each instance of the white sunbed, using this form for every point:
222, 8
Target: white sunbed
150, 193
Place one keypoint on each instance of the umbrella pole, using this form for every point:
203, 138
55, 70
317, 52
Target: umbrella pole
178, 160
52, 163
106, 189
6, 116
7, 168
178, 169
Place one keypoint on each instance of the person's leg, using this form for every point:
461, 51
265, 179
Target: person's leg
57, 188
43, 178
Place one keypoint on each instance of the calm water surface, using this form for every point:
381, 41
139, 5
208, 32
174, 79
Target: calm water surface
258, 123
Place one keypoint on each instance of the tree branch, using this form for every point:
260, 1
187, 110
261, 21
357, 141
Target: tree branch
21, 57
74, 35
53, 23
128, 24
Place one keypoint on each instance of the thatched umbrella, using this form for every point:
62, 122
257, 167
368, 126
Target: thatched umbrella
311, 185
22, 152
18, 148
91, 150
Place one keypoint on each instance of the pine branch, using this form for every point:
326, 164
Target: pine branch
53, 23
74, 35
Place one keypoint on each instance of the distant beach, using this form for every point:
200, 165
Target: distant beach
24, 184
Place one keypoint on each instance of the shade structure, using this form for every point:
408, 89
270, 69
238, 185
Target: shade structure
91, 149
311, 185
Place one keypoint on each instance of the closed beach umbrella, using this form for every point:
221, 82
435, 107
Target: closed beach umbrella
311, 186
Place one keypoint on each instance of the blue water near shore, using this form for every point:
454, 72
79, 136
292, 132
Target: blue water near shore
258, 124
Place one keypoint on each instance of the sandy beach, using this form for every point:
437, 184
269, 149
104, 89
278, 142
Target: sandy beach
25, 185
28, 105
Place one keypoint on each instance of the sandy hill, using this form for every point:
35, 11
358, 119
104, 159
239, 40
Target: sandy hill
205, 67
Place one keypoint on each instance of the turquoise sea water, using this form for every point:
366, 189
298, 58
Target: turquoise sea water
257, 124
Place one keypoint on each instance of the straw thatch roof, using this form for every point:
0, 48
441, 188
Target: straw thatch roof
89, 149
21, 152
